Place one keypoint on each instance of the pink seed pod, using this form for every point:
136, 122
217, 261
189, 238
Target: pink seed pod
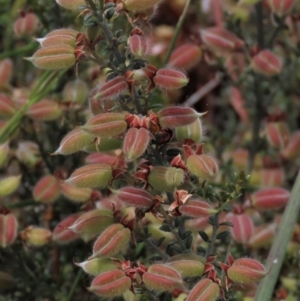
266, 63
188, 265
97, 266
36, 236
99, 105
91, 176
160, 278
46, 190
246, 271
62, 32
242, 229
177, 116
6, 67
239, 104
138, 6
8, 229
170, 79
202, 166
7, 107
101, 158
45, 110
76, 91
204, 290
292, 149
27, 24
61, 233
135, 143
111, 242
272, 177
270, 198
196, 224
197, 209
9, 184
91, 223
4, 153
112, 88
262, 237
136, 197
174, 176
106, 125
277, 134
281, 7
192, 131
57, 40
28, 153
74, 141
137, 43
110, 284
235, 65
186, 56
54, 58
221, 41
71, 4
78, 195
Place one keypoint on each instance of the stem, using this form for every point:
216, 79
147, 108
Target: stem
72, 290
279, 247
22, 204
276, 32
177, 31
158, 250
260, 25
213, 236
137, 100
18, 51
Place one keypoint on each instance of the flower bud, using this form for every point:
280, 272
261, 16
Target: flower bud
93, 222
135, 197
292, 149
188, 265
196, 209
74, 141
112, 88
35, 236
281, 7
246, 271
262, 237
138, 6
7, 107
26, 24
53, 58
135, 143
277, 134
192, 131
61, 233
186, 56
46, 190
220, 40
106, 125
177, 116
170, 79
6, 67
270, 198
8, 229
9, 185
266, 63
111, 242
4, 151
174, 176
160, 277
97, 266
6, 281
202, 166
71, 4
110, 284
242, 229
204, 290
91, 176
137, 43
78, 195
76, 91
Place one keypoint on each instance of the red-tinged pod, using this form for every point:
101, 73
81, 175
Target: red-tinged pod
99, 105
137, 43
197, 209
135, 143
277, 134
9, 184
239, 104
54, 58
266, 63
292, 149
262, 237
196, 224
192, 131
111, 242
112, 88
62, 32
177, 116
6, 67
106, 144
170, 79
110, 284
106, 125
186, 56
8, 229
61, 233
46, 190
202, 166
57, 40
74, 141
138, 6
101, 158
272, 177
91, 176
136, 197
71, 4
281, 7
26, 25
36, 236
97, 266
242, 229
45, 110
7, 107
204, 290
75, 194
235, 65
270, 198
76, 91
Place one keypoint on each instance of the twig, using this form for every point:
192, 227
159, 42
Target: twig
150, 242
213, 236
72, 290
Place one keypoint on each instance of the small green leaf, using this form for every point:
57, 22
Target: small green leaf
223, 235
204, 236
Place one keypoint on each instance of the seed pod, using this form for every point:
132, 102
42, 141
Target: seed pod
106, 144
106, 125
270, 198
62, 32
204, 290
266, 63
6, 67
176, 116
78, 195
110, 284
277, 134
71, 4
26, 24
239, 104
111, 242
76, 91
138, 6
135, 197
281, 7
46, 190
9, 185
135, 143
44, 110
35, 236
112, 88
202, 166
242, 229
272, 177
8, 229
170, 79
74, 141
174, 176
196, 209
99, 105
58, 40
6, 281
91, 176
137, 43
262, 237
196, 224
28, 153
101, 158
235, 64
292, 149
192, 131
7, 107
53, 58
4, 151
157, 179
97, 266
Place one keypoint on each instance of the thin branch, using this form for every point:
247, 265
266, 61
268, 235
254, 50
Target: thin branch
72, 290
